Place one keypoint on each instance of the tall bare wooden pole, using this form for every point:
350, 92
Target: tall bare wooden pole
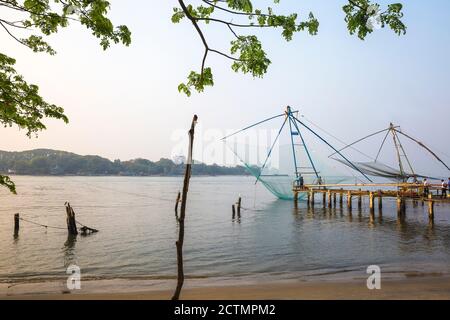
179, 243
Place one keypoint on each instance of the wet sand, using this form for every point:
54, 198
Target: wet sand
409, 287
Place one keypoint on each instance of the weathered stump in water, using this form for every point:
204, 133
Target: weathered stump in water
71, 222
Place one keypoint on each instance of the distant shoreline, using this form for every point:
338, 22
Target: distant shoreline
125, 176
47, 162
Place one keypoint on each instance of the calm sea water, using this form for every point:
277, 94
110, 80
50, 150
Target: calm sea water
138, 230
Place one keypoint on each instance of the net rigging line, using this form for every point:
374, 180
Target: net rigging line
42, 225
336, 138
129, 193
329, 145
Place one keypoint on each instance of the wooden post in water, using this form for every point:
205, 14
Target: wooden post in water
179, 243
371, 200
371, 205
349, 199
295, 199
400, 205
177, 202
330, 204
359, 199
239, 207
312, 198
324, 198
308, 198
334, 199
430, 207
340, 197
16, 224
431, 210
71, 222
380, 200
234, 211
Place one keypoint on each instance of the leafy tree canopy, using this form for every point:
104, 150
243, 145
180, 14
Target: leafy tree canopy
20, 102
246, 52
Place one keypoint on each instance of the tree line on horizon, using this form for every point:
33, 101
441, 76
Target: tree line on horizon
53, 162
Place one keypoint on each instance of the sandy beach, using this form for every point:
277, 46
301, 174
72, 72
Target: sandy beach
408, 287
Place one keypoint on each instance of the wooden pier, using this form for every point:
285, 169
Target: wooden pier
401, 192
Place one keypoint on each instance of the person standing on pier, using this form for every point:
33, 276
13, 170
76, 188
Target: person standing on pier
444, 187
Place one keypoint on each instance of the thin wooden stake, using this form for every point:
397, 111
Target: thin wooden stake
179, 243
16, 224
233, 209
239, 207
431, 210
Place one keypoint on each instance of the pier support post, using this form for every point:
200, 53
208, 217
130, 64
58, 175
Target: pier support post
400, 205
295, 199
340, 197
233, 209
380, 200
330, 204
359, 199
371, 205
334, 199
312, 198
371, 200
349, 199
16, 224
324, 198
308, 194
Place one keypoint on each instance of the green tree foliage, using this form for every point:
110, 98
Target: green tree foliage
20, 102
246, 52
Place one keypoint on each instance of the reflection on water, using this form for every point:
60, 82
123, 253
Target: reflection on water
69, 251
135, 218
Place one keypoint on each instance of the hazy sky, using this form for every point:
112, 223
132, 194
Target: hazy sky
123, 103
